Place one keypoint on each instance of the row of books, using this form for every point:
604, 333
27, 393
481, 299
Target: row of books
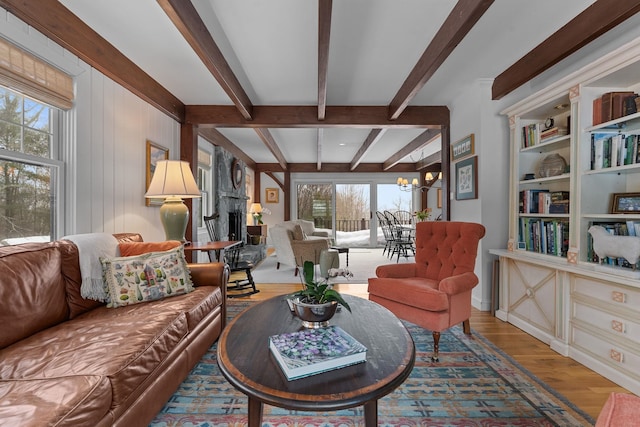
544, 236
613, 105
611, 150
536, 133
626, 228
313, 351
544, 201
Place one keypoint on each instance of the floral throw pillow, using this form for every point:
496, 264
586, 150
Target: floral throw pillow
147, 277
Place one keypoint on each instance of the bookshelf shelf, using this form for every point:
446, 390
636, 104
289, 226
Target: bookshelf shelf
547, 145
538, 215
563, 177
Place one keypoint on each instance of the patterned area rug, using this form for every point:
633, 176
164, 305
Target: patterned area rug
474, 384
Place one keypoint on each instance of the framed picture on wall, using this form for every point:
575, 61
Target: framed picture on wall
439, 205
271, 195
463, 148
467, 179
154, 153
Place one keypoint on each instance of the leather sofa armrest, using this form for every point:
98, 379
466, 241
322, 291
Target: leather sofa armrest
458, 284
210, 274
396, 271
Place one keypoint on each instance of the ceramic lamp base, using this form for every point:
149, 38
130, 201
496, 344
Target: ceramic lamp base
174, 215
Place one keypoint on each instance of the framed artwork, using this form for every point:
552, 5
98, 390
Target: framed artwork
439, 205
467, 179
622, 203
271, 195
154, 153
463, 148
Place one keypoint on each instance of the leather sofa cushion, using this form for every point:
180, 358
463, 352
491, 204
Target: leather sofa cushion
70, 401
199, 303
125, 344
32, 290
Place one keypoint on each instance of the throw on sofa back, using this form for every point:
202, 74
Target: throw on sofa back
446, 248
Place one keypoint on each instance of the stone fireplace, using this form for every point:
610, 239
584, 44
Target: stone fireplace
230, 205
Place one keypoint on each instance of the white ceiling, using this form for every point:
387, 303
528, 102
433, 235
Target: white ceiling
272, 47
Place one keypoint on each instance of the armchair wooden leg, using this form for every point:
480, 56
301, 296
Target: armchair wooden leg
436, 346
466, 327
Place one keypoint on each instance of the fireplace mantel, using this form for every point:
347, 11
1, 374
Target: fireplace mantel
230, 195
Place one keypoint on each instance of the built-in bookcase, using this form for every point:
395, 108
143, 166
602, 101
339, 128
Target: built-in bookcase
583, 307
537, 229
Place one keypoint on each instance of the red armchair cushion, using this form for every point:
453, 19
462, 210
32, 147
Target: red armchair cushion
620, 409
414, 291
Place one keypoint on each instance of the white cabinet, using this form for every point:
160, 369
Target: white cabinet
552, 285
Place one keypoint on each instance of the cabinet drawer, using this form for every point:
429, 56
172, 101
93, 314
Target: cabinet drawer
616, 295
613, 355
612, 324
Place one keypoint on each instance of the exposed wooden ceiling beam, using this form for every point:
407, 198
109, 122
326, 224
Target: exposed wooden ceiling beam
335, 167
324, 36
185, 17
373, 137
593, 22
305, 116
271, 144
276, 180
462, 18
420, 141
319, 145
57, 22
216, 138
430, 163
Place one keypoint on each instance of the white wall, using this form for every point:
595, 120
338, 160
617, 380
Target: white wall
475, 113
108, 128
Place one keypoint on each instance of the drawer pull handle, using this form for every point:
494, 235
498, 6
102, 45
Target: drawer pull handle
619, 297
616, 355
617, 326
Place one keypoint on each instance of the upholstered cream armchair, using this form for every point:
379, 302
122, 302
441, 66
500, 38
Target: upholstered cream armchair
293, 246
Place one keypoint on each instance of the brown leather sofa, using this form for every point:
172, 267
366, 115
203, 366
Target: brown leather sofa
68, 361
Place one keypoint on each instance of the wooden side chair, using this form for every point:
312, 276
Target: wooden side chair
238, 287
435, 291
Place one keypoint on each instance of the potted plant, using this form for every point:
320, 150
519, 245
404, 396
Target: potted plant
423, 215
317, 301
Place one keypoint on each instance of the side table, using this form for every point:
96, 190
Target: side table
342, 250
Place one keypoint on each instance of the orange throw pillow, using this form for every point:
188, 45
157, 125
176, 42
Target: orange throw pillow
139, 248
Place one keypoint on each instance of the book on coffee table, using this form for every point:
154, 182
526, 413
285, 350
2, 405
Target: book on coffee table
313, 351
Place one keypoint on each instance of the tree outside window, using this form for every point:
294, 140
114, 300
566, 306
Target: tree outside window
27, 170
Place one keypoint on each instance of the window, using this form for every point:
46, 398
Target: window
29, 169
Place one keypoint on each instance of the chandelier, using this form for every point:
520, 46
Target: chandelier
429, 178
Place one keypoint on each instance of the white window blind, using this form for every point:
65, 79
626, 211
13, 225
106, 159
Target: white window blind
23, 72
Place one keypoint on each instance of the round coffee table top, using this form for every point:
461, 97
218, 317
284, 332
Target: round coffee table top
247, 363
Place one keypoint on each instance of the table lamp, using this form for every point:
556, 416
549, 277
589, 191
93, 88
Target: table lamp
256, 210
173, 180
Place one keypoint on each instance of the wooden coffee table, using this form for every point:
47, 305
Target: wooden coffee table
246, 362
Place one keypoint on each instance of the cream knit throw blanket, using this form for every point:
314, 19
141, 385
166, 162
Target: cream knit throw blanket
91, 247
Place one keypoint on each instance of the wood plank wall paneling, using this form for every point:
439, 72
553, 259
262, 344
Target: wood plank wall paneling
111, 158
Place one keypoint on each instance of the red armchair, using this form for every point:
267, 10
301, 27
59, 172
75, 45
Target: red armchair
435, 291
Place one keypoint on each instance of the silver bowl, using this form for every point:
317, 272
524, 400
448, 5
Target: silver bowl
314, 315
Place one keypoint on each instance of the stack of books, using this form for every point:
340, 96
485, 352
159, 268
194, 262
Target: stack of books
552, 133
313, 351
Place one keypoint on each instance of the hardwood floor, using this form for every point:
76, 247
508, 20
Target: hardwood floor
585, 388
